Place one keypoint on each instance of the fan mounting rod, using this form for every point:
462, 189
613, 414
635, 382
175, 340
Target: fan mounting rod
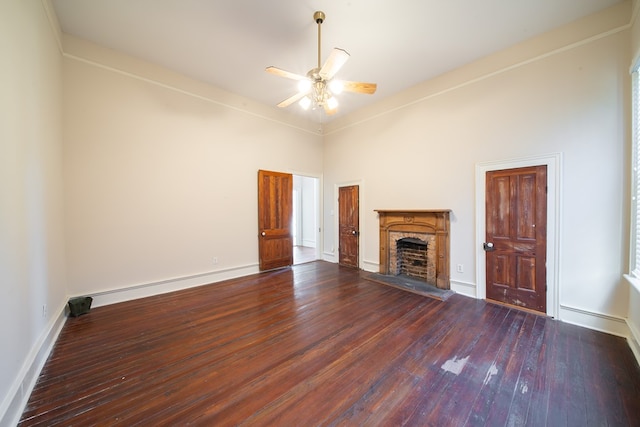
319, 18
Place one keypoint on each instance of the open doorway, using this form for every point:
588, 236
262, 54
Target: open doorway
305, 228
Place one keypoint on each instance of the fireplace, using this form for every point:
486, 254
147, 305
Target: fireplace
415, 244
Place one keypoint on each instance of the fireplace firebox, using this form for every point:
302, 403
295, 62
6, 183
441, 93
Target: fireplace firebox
412, 259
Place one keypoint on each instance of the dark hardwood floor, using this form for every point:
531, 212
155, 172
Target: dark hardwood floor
319, 345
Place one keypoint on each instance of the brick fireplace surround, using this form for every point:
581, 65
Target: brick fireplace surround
431, 226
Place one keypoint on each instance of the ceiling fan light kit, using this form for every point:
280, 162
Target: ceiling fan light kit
318, 87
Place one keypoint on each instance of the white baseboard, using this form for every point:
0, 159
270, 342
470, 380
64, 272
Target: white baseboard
16, 400
596, 321
464, 288
309, 243
634, 340
603, 323
370, 266
329, 257
169, 285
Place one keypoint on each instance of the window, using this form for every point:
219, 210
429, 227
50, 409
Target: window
635, 172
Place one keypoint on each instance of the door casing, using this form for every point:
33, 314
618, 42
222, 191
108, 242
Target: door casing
318, 213
553, 162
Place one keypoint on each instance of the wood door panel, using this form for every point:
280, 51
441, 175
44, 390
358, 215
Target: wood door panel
275, 210
516, 213
348, 225
501, 270
500, 210
526, 273
279, 250
526, 208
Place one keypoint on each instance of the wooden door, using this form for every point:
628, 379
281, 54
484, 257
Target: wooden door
348, 224
516, 232
275, 208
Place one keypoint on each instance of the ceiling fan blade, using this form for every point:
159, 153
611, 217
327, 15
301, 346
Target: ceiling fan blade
335, 61
359, 87
282, 73
298, 96
329, 111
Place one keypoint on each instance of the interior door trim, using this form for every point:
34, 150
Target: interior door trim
319, 211
553, 162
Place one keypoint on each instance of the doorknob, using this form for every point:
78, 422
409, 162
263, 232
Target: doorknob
263, 234
355, 233
488, 247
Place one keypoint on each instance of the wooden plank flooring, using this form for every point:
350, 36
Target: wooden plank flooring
319, 345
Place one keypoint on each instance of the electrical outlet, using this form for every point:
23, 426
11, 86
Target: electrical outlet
460, 268
215, 260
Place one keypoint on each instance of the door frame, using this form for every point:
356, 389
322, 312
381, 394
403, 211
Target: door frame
336, 220
319, 209
553, 162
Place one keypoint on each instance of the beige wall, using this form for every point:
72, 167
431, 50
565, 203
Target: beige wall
633, 315
161, 174
564, 92
32, 262
160, 171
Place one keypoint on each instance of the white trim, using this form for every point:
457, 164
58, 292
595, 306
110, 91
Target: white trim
49, 10
336, 219
467, 289
634, 334
16, 399
308, 243
633, 339
634, 268
597, 321
370, 266
480, 78
319, 243
553, 162
193, 94
143, 290
320, 216
329, 257
634, 282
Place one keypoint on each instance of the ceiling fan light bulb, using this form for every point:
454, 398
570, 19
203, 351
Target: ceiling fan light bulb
332, 103
304, 85
336, 87
305, 103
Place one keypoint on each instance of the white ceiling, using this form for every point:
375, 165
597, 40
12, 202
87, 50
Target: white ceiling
396, 44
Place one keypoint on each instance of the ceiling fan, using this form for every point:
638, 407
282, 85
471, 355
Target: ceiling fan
318, 87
